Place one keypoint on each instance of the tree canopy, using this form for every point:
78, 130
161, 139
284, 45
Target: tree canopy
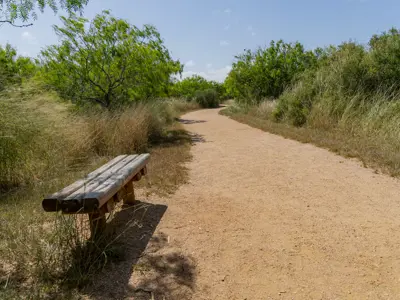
188, 87
266, 72
108, 62
13, 68
26, 10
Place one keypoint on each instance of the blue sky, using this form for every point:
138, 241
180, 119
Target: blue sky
205, 35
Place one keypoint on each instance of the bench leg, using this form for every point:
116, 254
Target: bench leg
129, 198
97, 222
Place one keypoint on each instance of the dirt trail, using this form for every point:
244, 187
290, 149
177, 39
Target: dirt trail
264, 217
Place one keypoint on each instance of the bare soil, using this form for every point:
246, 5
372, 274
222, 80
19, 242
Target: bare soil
263, 217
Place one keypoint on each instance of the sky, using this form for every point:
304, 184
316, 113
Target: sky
206, 35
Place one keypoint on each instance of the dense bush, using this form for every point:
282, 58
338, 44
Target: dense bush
266, 72
189, 88
207, 98
14, 69
352, 76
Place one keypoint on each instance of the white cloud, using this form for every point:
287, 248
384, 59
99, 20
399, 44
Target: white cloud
27, 36
190, 63
212, 74
250, 28
226, 27
227, 11
223, 43
209, 66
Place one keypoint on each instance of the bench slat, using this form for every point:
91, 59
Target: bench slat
114, 183
65, 192
92, 192
84, 190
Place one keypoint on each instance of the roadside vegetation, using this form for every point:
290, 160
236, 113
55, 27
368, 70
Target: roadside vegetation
208, 94
107, 88
345, 98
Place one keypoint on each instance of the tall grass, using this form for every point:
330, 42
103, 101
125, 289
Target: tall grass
349, 102
367, 128
45, 145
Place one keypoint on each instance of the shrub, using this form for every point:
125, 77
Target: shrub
207, 98
188, 87
266, 72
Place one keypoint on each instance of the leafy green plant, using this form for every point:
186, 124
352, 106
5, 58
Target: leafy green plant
207, 98
188, 87
14, 69
266, 72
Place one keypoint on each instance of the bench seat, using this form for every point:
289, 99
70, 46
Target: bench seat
91, 193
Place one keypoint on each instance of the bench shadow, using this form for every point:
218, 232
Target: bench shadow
143, 271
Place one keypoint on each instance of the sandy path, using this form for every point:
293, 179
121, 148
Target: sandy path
264, 217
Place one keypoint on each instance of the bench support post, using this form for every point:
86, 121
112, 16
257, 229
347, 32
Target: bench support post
129, 198
97, 221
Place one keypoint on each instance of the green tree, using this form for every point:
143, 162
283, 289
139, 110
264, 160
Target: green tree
26, 10
189, 86
109, 62
266, 72
14, 68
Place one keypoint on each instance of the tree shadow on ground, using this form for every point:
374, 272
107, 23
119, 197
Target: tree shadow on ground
178, 136
188, 122
148, 269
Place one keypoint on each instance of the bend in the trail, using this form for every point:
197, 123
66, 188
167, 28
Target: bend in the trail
265, 217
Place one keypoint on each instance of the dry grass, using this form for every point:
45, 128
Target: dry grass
45, 146
373, 150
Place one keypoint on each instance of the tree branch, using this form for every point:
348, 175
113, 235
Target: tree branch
12, 24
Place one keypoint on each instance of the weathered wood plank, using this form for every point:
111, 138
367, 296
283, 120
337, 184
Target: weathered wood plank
109, 187
82, 182
92, 192
86, 189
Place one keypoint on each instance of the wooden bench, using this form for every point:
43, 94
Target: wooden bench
97, 193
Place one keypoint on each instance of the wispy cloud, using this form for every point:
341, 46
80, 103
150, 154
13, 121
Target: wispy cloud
190, 63
223, 43
27, 36
251, 29
228, 11
226, 27
209, 66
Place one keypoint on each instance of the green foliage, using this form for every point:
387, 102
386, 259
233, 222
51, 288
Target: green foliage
25, 10
14, 69
207, 98
110, 63
384, 60
188, 87
347, 77
266, 72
